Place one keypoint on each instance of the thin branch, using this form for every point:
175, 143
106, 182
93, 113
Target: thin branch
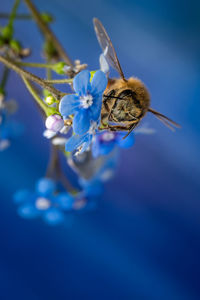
17, 16
47, 32
35, 95
57, 94
58, 81
34, 65
4, 79
13, 13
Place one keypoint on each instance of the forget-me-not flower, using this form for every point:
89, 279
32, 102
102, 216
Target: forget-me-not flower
44, 202
106, 141
86, 104
81, 143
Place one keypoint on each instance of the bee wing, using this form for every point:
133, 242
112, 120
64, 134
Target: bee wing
107, 47
165, 120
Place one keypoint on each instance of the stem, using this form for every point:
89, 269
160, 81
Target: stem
4, 79
57, 94
35, 65
17, 16
13, 13
58, 81
48, 33
32, 91
54, 170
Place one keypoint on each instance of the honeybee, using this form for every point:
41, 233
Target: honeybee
125, 101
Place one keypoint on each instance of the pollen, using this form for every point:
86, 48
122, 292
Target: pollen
108, 136
86, 101
42, 203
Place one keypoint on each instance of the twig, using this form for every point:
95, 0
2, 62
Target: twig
58, 81
48, 110
57, 94
49, 35
17, 16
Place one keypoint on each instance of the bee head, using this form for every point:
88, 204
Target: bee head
127, 107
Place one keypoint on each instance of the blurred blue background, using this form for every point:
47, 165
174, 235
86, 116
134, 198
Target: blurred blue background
143, 242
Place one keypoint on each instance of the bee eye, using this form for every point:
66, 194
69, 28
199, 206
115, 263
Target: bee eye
127, 94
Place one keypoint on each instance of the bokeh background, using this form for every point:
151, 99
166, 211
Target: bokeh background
143, 242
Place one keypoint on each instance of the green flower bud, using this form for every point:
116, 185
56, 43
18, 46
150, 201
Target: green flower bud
49, 49
7, 32
49, 100
15, 45
46, 17
59, 67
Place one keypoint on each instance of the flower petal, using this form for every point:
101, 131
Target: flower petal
45, 187
69, 104
81, 122
98, 83
95, 109
53, 216
28, 211
65, 201
86, 143
74, 142
81, 82
21, 196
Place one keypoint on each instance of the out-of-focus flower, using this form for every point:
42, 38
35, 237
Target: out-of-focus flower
44, 202
81, 143
54, 124
105, 142
86, 104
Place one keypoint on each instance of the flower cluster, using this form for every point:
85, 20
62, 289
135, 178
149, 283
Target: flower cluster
84, 107
106, 141
44, 202
52, 206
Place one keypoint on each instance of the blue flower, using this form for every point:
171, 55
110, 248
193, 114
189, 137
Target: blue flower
44, 202
106, 141
81, 143
86, 104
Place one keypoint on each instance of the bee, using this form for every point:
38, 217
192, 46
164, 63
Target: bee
125, 101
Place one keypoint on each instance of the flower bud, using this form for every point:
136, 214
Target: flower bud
59, 67
15, 45
7, 32
54, 123
49, 100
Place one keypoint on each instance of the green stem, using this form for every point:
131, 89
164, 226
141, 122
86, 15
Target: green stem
56, 93
4, 79
35, 65
48, 110
17, 16
13, 13
49, 35
58, 81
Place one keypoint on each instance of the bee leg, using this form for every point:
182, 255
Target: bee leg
106, 106
118, 128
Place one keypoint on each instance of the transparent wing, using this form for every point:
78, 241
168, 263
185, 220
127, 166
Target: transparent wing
165, 120
107, 47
